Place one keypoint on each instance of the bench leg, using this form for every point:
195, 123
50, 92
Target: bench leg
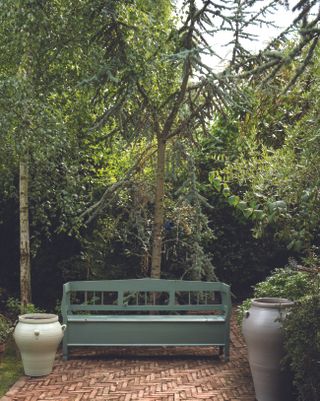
65, 351
224, 350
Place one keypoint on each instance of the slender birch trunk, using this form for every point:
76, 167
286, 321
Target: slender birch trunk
158, 211
25, 275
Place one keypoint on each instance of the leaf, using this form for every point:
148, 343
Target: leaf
226, 192
272, 217
278, 205
233, 200
295, 245
258, 214
259, 195
242, 205
217, 184
248, 212
215, 181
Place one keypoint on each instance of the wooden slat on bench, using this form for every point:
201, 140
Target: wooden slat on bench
143, 285
147, 318
133, 308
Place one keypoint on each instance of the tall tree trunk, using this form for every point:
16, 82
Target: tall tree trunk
25, 276
158, 211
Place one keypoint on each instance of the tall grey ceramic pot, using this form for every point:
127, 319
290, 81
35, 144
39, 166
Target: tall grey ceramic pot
37, 336
261, 328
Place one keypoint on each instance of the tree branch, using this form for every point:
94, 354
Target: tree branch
97, 208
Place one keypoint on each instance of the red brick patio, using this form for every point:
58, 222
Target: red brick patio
126, 374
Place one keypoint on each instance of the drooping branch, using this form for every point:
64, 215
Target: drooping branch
94, 210
187, 70
304, 65
111, 111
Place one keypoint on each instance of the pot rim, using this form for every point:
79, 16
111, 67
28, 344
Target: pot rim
272, 302
38, 318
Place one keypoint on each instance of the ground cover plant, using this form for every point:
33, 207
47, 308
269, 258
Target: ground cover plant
10, 367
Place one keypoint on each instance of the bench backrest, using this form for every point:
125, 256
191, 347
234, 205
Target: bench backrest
145, 295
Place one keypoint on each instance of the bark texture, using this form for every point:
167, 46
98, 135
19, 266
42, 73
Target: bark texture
25, 275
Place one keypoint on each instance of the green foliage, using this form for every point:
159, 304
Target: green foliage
302, 344
15, 308
35, 76
119, 243
5, 329
301, 327
239, 259
242, 309
282, 283
86, 88
10, 368
273, 177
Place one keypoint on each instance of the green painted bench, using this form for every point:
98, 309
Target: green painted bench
146, 312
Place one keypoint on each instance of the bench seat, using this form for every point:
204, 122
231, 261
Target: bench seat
146, 318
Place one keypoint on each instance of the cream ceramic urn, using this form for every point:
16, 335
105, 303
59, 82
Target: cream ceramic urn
261, 328
37, 336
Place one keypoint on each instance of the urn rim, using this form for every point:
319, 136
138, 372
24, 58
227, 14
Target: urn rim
272, 302
38, 318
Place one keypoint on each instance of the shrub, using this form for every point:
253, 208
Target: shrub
301, 327
302, 345
283, 283
5, 329
14, 308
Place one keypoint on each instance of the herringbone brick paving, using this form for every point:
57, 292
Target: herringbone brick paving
149, 374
